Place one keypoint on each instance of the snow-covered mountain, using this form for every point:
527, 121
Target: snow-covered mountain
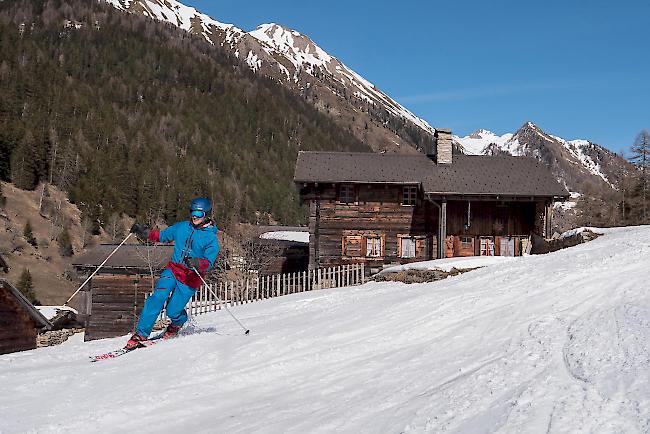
585, 168
298, 62
556, 343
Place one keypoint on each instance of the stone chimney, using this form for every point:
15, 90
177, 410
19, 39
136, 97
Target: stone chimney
443, 146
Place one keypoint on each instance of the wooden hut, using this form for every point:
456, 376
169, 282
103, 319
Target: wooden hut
384, 209
20, 321
288, 249
111, 302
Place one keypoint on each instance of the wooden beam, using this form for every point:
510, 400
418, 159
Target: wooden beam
442, 229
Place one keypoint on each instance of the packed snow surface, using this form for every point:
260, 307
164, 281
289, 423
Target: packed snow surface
554, 343
448, 263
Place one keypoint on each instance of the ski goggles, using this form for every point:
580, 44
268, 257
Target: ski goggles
198, 214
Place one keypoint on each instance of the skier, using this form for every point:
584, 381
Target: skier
195, 248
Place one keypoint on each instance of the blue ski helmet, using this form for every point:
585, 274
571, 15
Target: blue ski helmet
201, 204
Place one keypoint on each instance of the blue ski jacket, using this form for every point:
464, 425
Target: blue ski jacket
189, 242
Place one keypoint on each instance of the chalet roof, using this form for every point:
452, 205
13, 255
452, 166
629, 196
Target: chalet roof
467, 175
38, 318
132, 256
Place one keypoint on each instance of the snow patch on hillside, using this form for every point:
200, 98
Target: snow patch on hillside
577, 149
180, 15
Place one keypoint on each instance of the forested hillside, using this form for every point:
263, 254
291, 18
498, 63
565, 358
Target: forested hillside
133, 116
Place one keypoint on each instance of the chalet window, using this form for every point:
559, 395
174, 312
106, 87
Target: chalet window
373, 247
466, 242
352, 245
410, 195
487, 247
346, 193
407, 247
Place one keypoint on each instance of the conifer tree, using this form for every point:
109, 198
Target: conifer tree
26, 286
65, 243
640, 157
29, 234
23, 163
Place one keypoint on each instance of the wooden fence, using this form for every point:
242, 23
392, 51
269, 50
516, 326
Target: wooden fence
210, 297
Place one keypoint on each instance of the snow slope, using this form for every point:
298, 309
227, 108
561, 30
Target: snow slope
554, 343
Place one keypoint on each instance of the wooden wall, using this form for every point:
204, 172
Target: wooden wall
377, 210
115, 304
291, 259
491, 218
17, 328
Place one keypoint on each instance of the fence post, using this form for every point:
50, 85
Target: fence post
276, 285
363, 273
200, 303
347, 275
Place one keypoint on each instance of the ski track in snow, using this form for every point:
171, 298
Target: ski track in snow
553, 343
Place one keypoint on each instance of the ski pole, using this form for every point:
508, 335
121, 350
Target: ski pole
98, 268
246, 331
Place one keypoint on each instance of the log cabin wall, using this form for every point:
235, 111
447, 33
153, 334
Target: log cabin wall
377, 210
491, 218
115, 303
17, 328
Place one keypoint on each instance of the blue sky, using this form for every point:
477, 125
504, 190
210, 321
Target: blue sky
578, 69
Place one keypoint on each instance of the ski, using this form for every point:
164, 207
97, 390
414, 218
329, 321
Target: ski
123, 351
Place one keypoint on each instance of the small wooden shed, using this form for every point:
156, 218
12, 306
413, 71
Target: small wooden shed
20, 321
288, 249
111, 302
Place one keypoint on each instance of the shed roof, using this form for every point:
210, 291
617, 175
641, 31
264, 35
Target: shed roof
133, 256
38, 318
467, 175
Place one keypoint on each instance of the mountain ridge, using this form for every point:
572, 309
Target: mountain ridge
296, 61
588, 170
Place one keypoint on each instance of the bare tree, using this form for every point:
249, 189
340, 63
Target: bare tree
251, 255
115, 227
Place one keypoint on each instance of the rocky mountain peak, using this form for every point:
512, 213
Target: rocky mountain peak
481, 133
530, 131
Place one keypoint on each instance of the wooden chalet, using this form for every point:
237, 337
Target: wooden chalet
383, 209
111, 302
20, 321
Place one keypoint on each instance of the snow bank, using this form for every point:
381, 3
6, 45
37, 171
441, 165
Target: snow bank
50, 312
550, 343
448, 263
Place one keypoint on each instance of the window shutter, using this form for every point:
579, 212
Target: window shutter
352, 245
